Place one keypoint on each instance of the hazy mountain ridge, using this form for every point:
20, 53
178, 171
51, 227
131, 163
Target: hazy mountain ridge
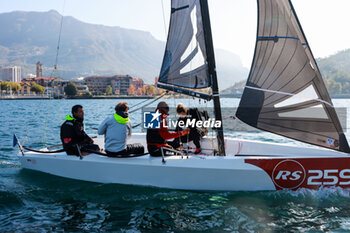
86, 49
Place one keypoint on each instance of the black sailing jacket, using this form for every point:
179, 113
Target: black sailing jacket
72, 133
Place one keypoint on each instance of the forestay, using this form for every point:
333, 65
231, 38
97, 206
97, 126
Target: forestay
285, 93
184, 62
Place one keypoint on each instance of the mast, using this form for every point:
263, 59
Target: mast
212, 73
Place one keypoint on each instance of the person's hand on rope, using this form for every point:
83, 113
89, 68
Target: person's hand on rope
180, 148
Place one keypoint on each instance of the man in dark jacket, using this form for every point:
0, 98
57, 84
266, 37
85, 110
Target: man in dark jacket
73, 134
158, 138
196, 133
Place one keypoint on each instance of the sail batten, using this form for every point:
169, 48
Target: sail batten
285, 93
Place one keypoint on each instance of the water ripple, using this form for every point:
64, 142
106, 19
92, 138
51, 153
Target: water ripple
36, 202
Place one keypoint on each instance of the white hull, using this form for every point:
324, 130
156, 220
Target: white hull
206, 172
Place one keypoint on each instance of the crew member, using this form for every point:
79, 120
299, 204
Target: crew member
158, 138
73, 134
191, 115
117, 129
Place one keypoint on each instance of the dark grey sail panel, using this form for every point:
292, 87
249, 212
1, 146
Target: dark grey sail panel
285, 90
184, 63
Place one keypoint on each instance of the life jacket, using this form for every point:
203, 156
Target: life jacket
121, 119
154, 137
72, 132
70, 118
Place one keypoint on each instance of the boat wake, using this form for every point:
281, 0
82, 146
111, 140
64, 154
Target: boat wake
4, 164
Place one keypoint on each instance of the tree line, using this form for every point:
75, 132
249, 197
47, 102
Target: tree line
71, 90
16, 87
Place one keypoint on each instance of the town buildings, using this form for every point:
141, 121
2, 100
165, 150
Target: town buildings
11, 74
138, 83
42, 81
78, 82
119, 83
25, 89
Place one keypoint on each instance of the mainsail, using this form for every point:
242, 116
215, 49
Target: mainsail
185, 57
189, 61
285, 93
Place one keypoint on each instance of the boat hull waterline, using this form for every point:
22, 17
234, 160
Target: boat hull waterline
276, 167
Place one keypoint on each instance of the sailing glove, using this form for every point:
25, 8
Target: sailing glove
184, 132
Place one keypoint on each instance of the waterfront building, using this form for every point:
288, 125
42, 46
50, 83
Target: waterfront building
79, 83
11, 74
138, 83
119, 84
25, 89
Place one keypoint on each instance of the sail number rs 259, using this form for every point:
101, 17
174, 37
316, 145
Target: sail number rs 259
332, 176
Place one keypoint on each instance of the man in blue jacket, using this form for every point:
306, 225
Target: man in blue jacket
117, 129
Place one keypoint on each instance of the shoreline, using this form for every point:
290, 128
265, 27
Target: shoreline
234, 96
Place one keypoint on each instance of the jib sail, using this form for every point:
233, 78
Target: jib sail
285, 93
184, 62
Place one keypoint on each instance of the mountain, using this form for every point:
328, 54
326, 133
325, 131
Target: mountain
229, 68
87, 49
337, 62
336, 71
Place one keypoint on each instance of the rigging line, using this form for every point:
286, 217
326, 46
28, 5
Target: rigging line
148, 103
54, 70
286, 93
178, 132
139, 103
59, 36
46, 120
163, 18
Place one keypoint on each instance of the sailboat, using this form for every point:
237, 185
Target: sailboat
284, 94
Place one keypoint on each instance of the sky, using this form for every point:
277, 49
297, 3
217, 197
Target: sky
325, 22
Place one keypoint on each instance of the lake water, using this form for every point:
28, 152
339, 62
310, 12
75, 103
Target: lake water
37, 202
